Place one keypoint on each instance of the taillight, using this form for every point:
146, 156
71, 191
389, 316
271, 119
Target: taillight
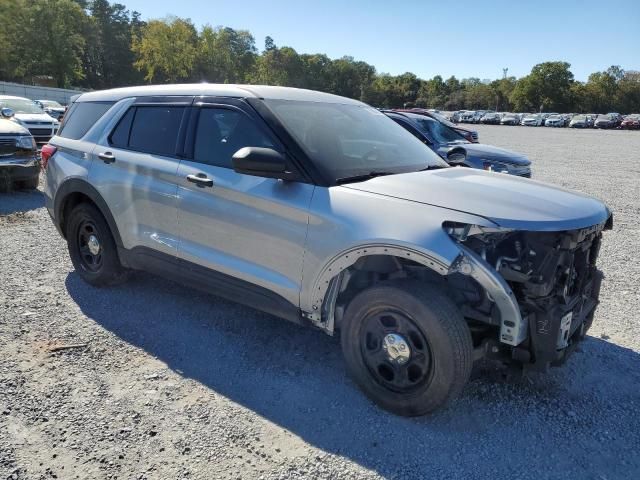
46, 153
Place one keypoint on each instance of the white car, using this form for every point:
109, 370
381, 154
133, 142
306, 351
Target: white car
555, 120
28, 114
534, 120
51, 107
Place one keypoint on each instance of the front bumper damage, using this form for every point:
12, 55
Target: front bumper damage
541, 289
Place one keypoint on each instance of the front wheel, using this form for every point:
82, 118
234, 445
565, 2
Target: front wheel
407, 346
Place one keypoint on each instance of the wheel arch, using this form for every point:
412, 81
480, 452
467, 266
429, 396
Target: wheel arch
75, 191
379, 258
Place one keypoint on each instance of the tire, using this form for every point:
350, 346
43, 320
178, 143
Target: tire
97, 264
440, 354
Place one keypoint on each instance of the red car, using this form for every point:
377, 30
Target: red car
631, 122
469, 135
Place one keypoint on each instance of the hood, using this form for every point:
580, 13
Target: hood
7, 127
506, 200
491, 153
487, 152
34, 117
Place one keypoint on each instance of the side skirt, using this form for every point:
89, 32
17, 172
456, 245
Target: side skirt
210, 281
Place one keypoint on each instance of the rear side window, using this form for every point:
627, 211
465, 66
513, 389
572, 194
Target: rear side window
120, 136
81, 117
155, 129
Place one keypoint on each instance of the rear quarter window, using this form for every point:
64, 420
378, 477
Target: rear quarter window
81, 117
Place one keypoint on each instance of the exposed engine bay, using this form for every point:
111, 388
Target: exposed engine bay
554, 279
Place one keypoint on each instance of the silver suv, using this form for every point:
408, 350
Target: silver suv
323, 211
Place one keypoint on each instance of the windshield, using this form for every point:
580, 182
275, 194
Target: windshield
20, 105
349, 140
554, 117
438, 132
579, 118
50, 103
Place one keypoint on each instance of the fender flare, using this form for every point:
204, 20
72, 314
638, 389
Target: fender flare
347, 258
79, 185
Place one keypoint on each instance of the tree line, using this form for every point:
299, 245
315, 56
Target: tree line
95, 44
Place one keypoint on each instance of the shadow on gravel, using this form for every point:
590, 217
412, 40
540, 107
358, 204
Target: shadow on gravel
18, 201
579, 421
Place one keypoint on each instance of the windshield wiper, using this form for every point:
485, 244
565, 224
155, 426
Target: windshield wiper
362, 177
433, 167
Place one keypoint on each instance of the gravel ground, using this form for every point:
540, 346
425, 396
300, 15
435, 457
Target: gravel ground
173, 384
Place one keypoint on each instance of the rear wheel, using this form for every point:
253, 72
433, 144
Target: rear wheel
92, 248
407, 346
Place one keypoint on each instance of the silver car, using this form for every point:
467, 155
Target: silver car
321, 210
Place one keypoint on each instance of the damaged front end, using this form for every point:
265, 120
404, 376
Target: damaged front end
528, 296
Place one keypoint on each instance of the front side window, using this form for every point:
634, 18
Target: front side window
222, 132
347, 140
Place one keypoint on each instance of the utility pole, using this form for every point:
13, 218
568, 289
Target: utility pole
504, 72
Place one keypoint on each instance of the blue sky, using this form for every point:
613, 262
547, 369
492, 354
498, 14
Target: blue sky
461, 37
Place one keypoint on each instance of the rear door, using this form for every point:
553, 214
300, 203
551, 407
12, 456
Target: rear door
135, 171
247, 227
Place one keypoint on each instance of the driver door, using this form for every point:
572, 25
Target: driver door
235, 226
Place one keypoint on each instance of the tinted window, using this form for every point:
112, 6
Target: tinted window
120, 136
347, 140
81, 117
221, 133
155, 129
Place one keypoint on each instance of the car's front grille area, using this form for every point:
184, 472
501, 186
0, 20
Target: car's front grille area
7, 145
525, 174
40, 132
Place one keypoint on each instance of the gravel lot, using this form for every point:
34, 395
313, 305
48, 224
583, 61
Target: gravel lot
177, 384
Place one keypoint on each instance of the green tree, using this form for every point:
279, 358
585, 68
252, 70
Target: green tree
166, 50
279, 66
226, 55
42, 38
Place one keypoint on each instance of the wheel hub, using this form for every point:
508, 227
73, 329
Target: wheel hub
397, 348
94, 245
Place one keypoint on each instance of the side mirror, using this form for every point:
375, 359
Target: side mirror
456, 156
261, 162
7, 112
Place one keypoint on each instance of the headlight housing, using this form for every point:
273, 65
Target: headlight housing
26, 142
462, 231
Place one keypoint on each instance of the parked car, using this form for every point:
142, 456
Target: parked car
579, 121
490, 118
468, 134
468, 116
631, 122
532, 120
555, 120
31, 116
456, 150
53, 108
510, 119
590, 120
19, 164
322, 210
605, 121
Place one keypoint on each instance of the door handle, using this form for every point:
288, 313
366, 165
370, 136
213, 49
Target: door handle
200, 179
107, 157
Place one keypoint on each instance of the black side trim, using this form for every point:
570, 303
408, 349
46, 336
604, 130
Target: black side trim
210, 281
77, 185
